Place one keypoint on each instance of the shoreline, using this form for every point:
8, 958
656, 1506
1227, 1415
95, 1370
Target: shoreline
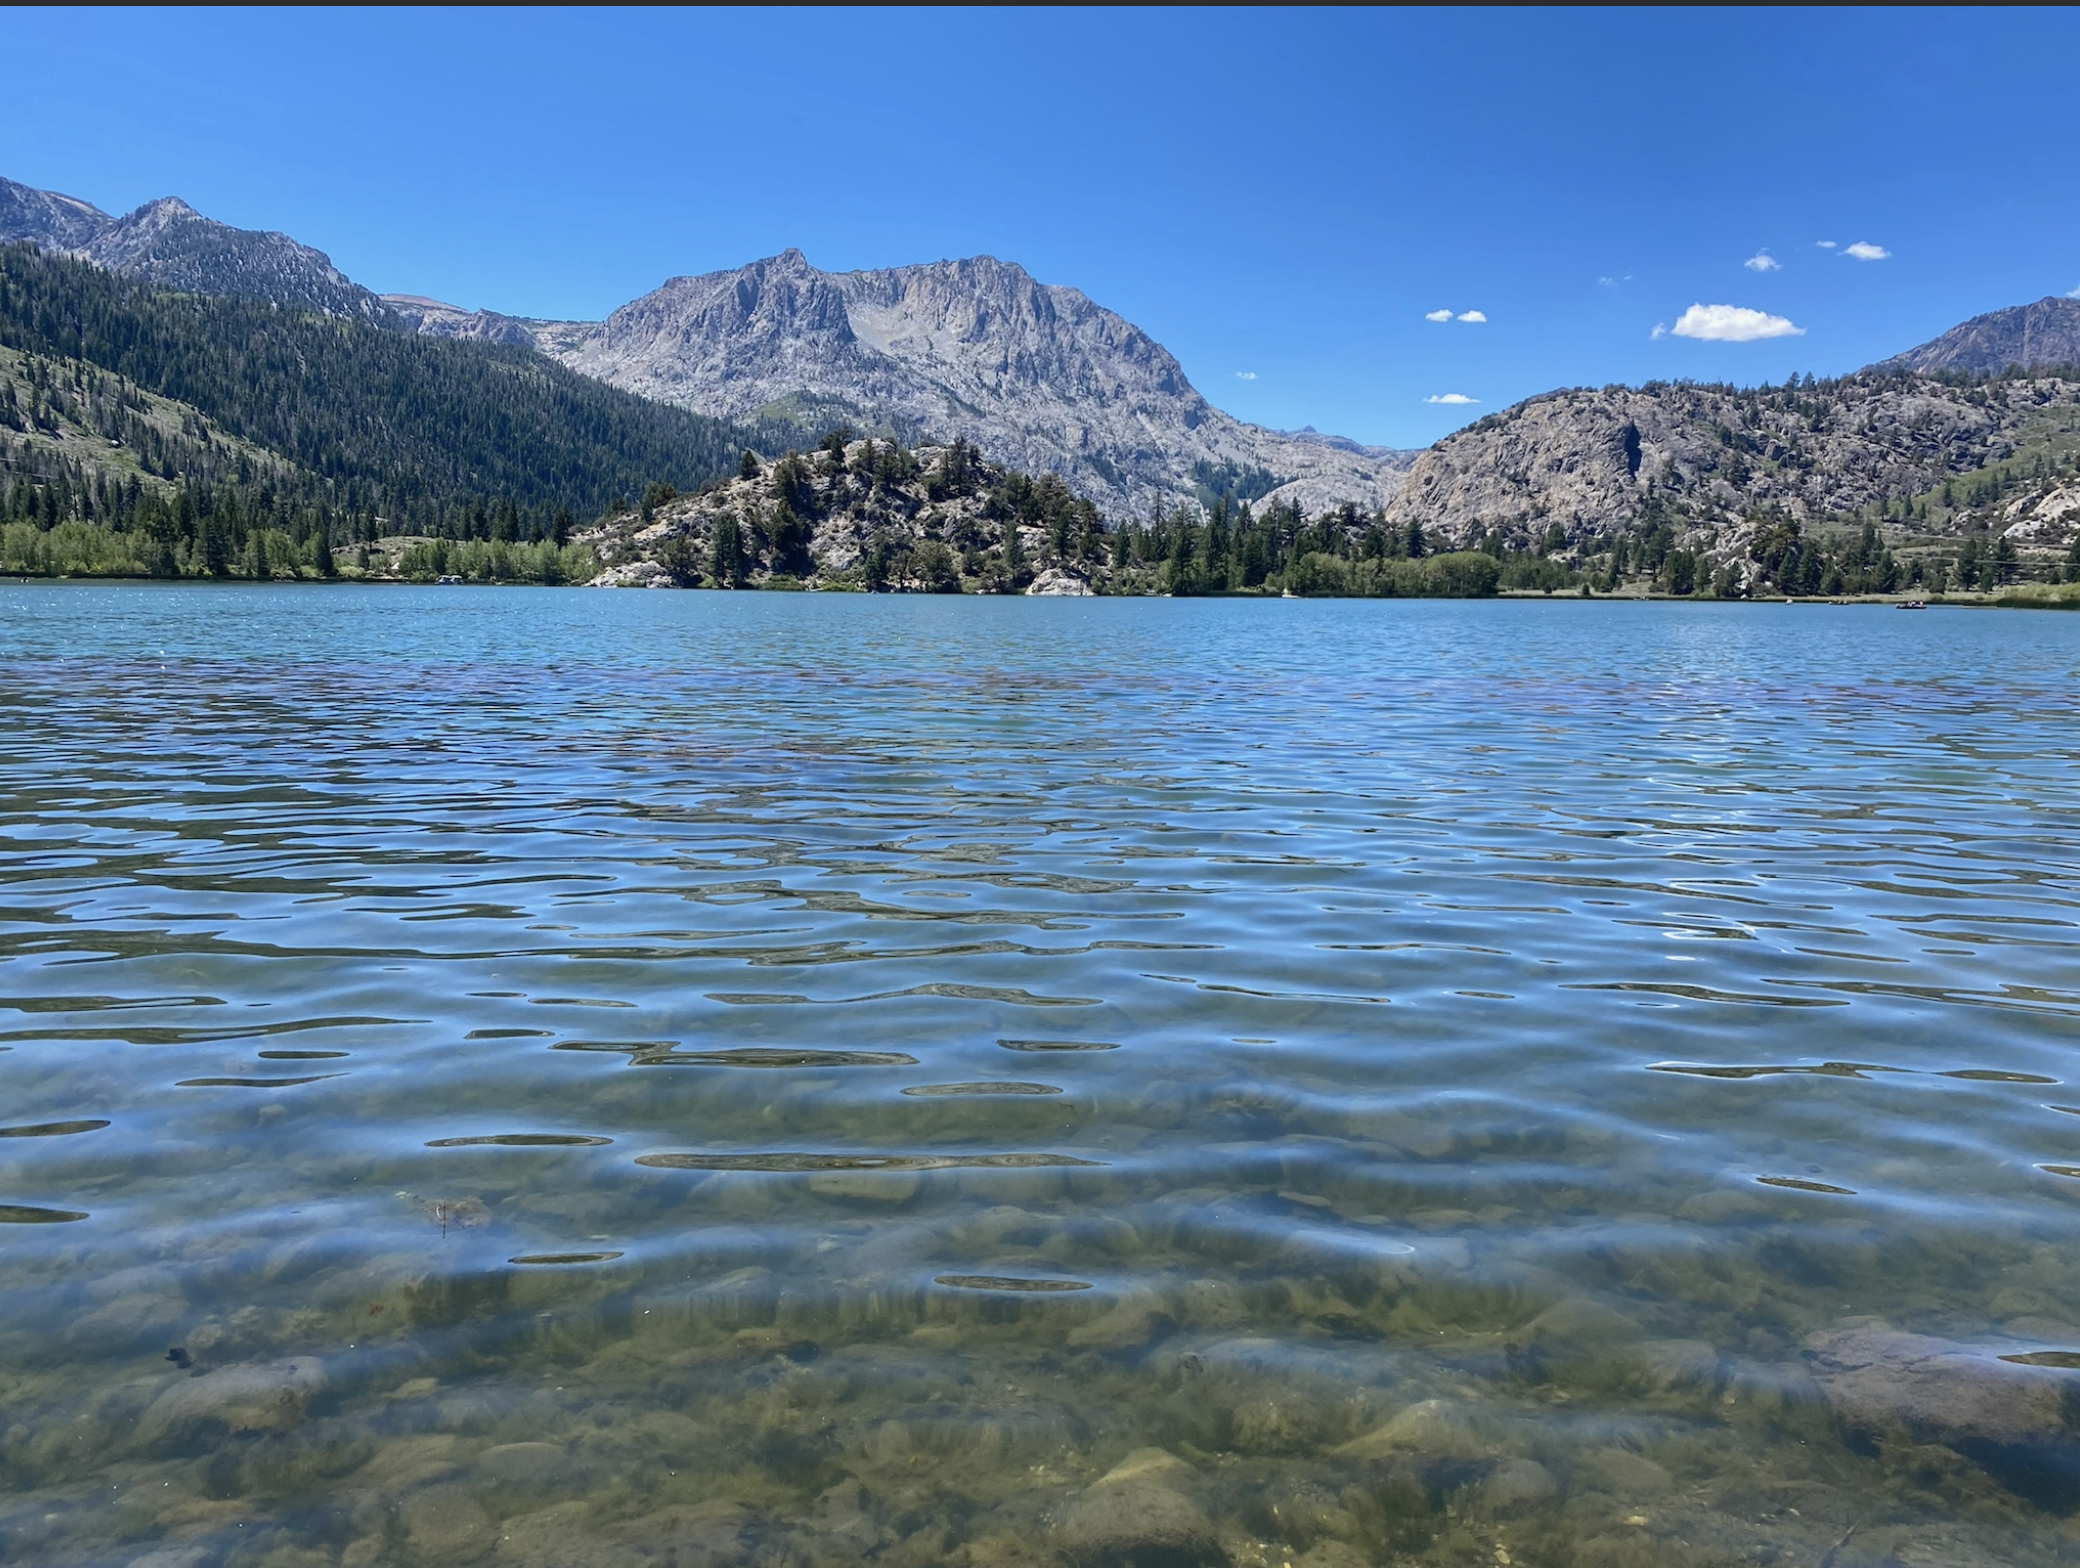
2054, 600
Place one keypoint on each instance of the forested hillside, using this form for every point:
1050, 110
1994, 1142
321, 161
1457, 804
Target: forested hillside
404, 434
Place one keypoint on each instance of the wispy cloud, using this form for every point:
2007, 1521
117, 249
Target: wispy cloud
1245, 375
1660, 330
1763, 261
1864, 250
1473, 315
1825, 244
2073, 292
1732, 324
1437, 315
1456, 399
1606, 283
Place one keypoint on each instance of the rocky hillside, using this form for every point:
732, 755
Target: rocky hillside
2042, 336
1038, 376
866, 513
870, 515
1920, 454
169, 243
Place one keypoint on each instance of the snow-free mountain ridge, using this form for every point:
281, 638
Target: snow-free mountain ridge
169, 243
2035, 337
1043, 379
1037, 375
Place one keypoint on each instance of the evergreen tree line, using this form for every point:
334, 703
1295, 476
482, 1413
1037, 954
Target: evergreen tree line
1347, 551
1783, 558
425, 436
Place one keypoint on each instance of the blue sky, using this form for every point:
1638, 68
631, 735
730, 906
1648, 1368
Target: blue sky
1279, 197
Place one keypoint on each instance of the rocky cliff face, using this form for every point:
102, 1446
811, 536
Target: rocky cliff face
169, 243
2039, 336
1038, 376
1707, 458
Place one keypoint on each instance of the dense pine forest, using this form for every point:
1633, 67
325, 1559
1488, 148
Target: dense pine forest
167, 433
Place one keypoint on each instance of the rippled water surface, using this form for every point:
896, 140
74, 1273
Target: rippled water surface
548, 1078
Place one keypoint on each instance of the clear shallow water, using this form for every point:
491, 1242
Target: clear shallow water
689, 1078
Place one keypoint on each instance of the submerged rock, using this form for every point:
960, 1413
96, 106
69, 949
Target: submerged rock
445, 1524
1275, 1426
1582, 1324
1625, 1475
258, 1396
1333, 1554
1156, 1465
1517, 1486
2016, 1418
842, 1520
1129, 1325
1133, 1517
1939, 1389
1433, 1428
522, 1464
1672, 1364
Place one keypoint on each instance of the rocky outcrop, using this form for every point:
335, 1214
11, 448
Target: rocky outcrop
1038, 376
2042, 336
932, 520
169, 243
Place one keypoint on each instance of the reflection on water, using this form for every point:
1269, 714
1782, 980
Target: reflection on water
1517, 1083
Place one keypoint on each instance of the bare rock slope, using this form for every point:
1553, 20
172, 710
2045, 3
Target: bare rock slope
2035, 337
169, 243
1595, 462
1037, 375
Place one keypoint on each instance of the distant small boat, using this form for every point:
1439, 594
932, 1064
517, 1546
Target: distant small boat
1911, 604
447, 582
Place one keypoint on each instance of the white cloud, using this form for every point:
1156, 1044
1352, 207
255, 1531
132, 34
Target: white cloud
1825, 244
1763, 261
2073, 292
1245, 375
1660, 330
1732, 324
1864, 250
1437, 315
1473, 315
1606, 283
1453, 398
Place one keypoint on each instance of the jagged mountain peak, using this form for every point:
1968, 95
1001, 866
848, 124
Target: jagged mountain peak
165, 209
1038, 375
169, 243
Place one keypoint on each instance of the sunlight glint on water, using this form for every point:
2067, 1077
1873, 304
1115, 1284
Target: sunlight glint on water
638, 1079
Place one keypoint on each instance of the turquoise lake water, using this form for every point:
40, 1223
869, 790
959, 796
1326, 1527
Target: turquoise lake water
543, 1078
